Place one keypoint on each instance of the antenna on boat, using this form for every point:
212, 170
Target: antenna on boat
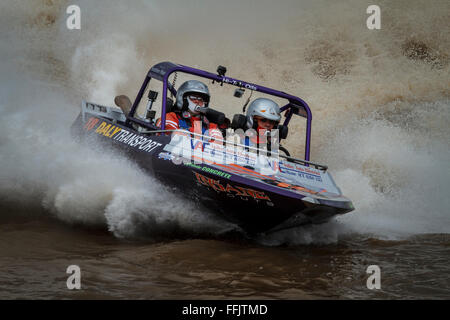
248, 100
173, 82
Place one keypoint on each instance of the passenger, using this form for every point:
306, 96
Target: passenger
191, 100
263, 115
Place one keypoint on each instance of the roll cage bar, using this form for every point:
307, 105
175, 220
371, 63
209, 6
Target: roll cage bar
163, 70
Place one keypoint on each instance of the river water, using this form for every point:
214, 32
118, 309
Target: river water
381, 109
36, 254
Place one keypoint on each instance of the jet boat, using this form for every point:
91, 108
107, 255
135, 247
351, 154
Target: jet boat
261, 191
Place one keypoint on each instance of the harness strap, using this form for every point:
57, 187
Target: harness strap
183, 123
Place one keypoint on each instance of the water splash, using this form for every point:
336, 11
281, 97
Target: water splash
379, 100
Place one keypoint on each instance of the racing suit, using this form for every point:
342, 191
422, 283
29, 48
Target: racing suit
175, 121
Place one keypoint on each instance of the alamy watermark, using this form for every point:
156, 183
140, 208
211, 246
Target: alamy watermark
374, 280
374, 20
73, 21
74, 280
238, 147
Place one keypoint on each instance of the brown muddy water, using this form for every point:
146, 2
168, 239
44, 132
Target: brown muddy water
35, 254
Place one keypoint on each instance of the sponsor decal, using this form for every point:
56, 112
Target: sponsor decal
206, 169
90, 124
137, 141
121, 135
230, 189
209, 170
217, 172
302, 172
165, 156
193, 165
285, 185
107, 129
170, 156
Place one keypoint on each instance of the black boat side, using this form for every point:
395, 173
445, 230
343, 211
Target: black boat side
255, 204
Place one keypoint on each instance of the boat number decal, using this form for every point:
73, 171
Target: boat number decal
230, 189
91, 123
240, 84
122, 135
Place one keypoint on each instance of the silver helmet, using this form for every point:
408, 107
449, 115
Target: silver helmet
191, 86
264, 108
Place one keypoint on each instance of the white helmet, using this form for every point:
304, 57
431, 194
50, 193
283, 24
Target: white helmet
264, 108
191, 86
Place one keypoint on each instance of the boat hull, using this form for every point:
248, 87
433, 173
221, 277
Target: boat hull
254, 201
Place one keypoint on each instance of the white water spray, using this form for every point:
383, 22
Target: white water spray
379, 101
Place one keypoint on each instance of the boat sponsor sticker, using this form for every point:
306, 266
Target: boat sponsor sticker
294, 187
193, 165
301, 172
136, 141
169, 156
230, 189
237, 160
209, 170
166, 156
121, 135
107, 129
217, 172
90, 124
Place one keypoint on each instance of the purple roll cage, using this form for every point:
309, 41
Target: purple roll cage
163, 70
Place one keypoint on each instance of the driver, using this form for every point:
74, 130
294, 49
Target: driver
191, 100
262, 115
